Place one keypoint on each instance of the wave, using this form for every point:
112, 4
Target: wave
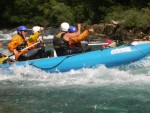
135, 74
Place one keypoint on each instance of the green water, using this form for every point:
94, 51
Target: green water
74, 99
100, 90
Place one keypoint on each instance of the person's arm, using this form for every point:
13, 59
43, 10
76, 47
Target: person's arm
35, 37
81, 37
15, 52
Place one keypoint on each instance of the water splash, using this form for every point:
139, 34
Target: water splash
136, 74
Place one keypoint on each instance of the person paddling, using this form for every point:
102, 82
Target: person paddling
34, 38
18, 42
18, 45
61, 39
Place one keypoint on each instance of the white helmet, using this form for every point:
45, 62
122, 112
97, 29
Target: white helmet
64, 26
36, 28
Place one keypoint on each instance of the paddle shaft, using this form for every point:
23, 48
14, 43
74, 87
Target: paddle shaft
30, 46
10, 55
94, 44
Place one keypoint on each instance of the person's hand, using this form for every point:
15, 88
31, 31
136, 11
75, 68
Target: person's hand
41, 30
91, 30
78, 26
41, 41
15, 52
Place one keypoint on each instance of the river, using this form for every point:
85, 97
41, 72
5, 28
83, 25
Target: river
123, 89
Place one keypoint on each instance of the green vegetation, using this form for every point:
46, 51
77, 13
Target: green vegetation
133, 13
131, 18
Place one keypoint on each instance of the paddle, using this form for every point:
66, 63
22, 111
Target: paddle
5, 58
94, 44
25, 50
30, 46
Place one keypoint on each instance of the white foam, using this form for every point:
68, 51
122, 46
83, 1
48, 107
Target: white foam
135, 75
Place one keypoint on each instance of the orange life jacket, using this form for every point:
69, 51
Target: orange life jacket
15, 42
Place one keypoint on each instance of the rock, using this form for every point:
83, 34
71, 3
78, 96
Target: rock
116, 29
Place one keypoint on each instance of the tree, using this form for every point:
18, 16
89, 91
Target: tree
61, 13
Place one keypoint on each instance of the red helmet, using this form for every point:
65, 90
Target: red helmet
108, 41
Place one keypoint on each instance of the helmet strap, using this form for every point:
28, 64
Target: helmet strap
20, 33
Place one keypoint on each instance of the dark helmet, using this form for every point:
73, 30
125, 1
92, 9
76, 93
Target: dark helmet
22, 28
72, 29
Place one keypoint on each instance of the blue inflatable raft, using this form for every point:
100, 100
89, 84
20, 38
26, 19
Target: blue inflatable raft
110, 57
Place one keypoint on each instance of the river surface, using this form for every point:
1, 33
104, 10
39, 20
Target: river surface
124, 89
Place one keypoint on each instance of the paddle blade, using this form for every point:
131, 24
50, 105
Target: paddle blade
3, 59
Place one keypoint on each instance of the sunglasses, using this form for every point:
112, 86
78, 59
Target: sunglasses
24, 30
